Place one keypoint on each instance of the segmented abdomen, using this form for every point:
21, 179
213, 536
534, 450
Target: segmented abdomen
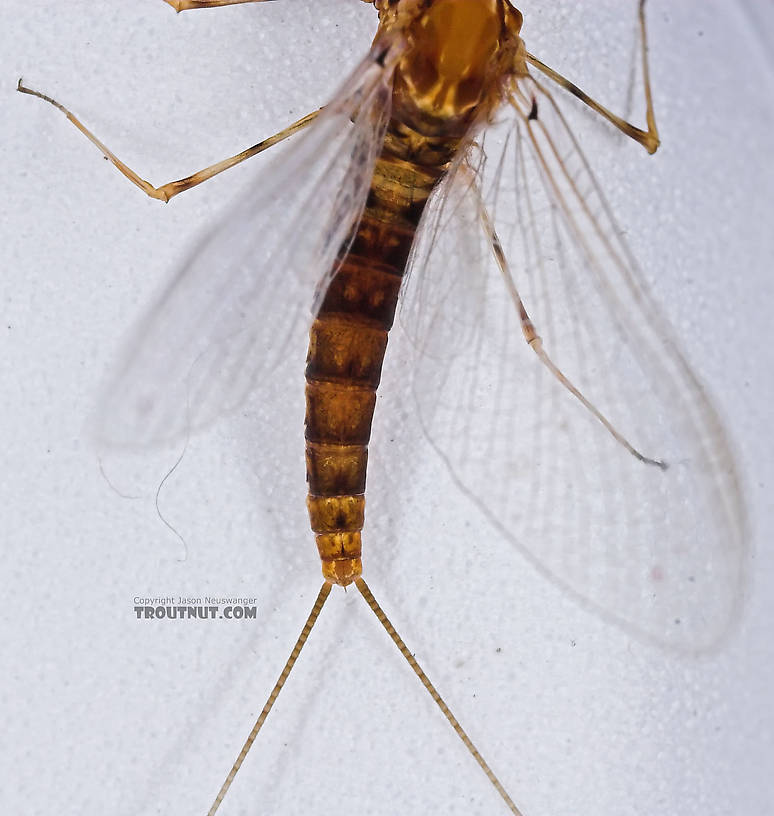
347, 343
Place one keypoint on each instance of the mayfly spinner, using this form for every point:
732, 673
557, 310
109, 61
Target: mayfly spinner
605, 436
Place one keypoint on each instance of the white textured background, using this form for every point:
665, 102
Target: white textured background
106, 715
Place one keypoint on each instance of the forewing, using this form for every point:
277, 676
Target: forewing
222, 324
440, 311
661, 552
429, 323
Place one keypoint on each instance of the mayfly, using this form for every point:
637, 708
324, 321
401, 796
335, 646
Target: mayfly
604, 461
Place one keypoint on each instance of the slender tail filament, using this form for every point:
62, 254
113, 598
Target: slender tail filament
439, 701
302, 638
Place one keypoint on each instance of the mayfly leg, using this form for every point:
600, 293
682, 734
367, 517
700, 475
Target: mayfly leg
535, 342
647, 138
185, 5
172, 188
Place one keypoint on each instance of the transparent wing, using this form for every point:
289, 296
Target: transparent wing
449, 229
223, 322
439, 311
661, 552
